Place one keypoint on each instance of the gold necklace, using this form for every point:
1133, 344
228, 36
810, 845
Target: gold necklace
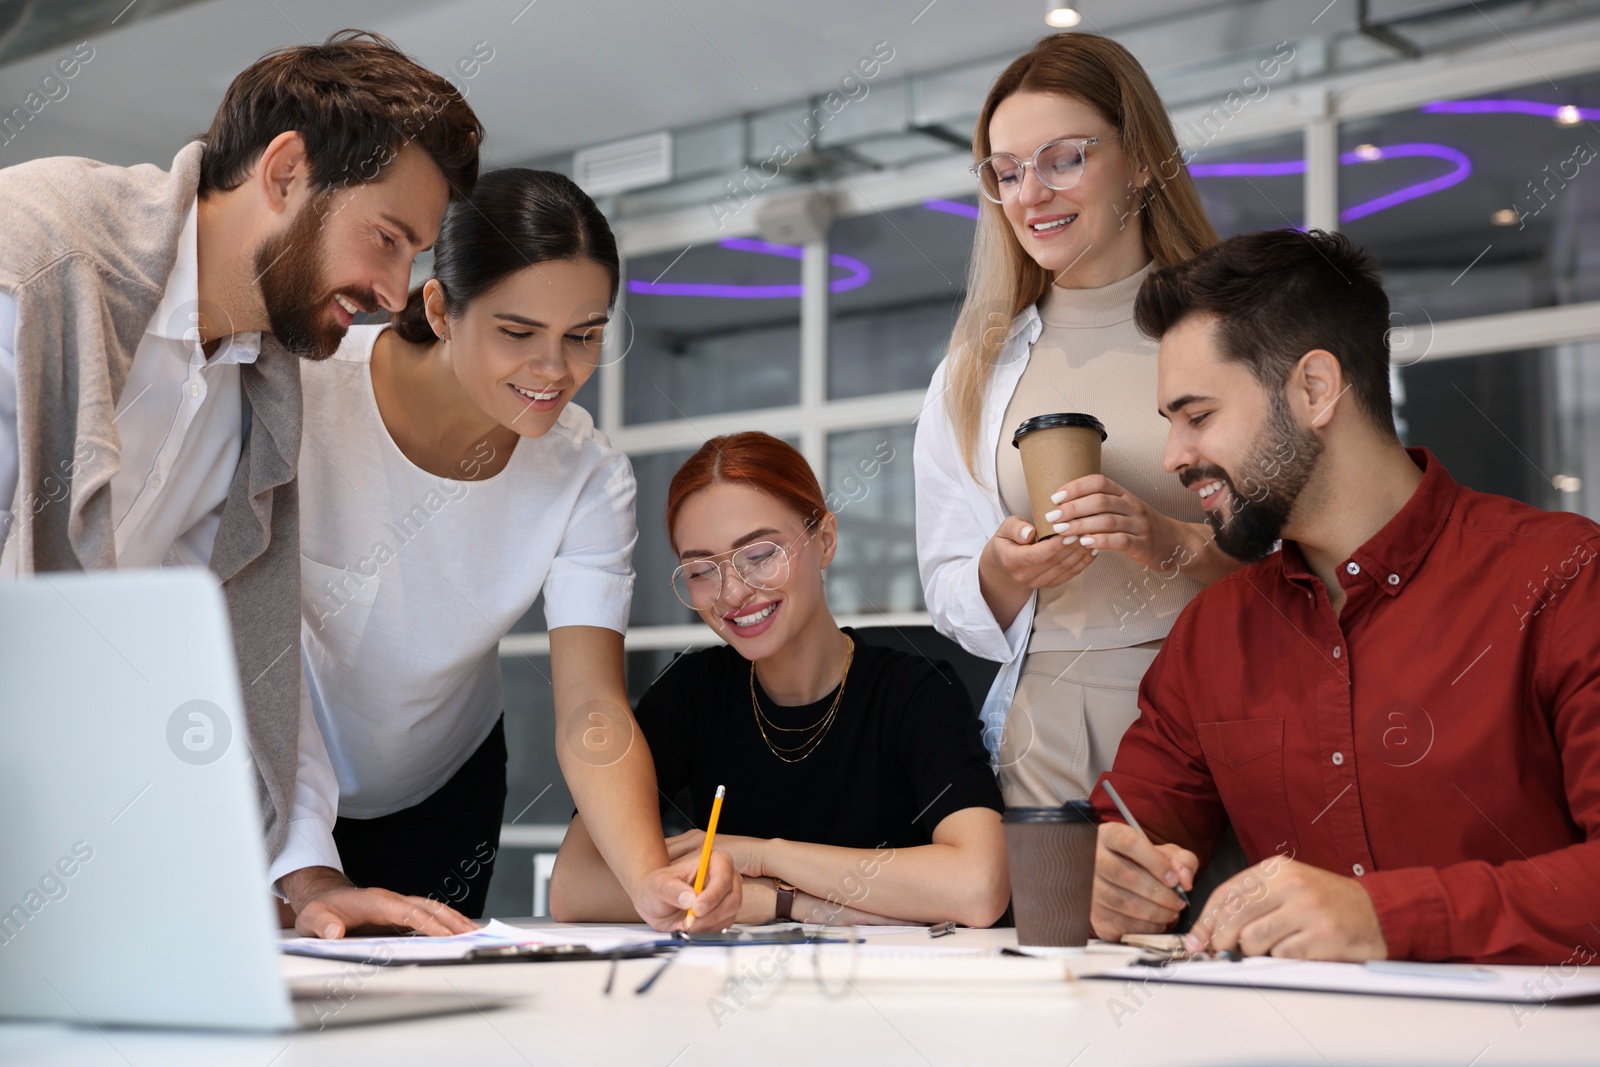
821, 726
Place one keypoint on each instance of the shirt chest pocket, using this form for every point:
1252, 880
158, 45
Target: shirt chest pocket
336, 605
1246, 763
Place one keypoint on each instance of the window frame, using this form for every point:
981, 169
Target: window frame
1316, 108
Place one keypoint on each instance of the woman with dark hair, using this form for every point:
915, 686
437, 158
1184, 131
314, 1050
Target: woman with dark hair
858, 789
446, 481
1083, 191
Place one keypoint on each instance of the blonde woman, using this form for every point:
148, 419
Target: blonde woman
1083, 190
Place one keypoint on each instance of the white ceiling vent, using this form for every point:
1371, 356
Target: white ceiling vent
623, 165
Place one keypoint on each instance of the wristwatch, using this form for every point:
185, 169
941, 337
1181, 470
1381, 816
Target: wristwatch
786, 892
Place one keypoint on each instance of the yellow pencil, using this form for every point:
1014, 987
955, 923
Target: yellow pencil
705, 851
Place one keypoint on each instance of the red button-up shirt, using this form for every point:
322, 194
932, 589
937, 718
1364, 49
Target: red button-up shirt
1438, 739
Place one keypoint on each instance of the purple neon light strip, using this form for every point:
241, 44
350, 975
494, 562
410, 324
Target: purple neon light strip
765, 248
1410, 192
952, 207
1463, 169
860, 275
1246, 170
1506, 107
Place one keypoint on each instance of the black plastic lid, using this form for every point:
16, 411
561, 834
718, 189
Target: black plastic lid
1073, 811
1050, 422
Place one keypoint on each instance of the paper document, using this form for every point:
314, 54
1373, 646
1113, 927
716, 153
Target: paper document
1525, 985
413, 948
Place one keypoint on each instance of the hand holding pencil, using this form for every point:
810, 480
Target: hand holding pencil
697, 891
705, 851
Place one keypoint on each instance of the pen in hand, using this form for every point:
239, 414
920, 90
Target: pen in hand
705, 851
1131, 821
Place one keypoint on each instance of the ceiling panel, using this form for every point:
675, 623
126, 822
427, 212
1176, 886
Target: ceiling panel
563, 73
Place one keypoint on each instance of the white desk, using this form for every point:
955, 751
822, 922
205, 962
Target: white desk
564, 1019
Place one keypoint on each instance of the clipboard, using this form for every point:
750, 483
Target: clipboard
1500, 985
494, 942
555, 954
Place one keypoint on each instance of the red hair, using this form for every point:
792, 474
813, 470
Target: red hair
752, 458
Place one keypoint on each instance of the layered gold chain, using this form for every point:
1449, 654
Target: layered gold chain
818, 730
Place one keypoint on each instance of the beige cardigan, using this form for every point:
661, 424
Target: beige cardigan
85, 251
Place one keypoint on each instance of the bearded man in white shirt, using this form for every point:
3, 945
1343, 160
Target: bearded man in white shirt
151, 324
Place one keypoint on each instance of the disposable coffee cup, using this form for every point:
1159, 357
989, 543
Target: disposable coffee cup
1051, 855
1056, 449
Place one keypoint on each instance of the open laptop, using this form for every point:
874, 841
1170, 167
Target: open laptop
132, 869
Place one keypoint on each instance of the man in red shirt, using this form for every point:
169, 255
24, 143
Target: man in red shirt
1399, 712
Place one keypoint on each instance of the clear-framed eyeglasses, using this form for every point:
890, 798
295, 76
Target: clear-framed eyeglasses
1058, 165
828, 956
761, 565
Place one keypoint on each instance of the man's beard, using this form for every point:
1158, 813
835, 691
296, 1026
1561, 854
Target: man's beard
293, 289
1279, 466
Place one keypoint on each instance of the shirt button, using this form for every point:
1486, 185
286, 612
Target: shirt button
1337, 652
1353, 568
1359, 870
1394, 579
194, 389
1338, 758
155, 482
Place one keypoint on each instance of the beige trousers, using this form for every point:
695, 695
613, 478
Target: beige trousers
1066, 720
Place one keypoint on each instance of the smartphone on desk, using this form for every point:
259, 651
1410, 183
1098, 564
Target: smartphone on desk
785, 934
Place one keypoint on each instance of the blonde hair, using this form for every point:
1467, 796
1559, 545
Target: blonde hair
1002, 278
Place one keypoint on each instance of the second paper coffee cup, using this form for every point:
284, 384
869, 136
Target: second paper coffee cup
1050, 852
1056, 449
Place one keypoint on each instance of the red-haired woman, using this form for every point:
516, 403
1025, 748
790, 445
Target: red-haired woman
858, 787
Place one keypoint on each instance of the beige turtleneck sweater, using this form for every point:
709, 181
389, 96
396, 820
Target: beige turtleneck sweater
1090, 357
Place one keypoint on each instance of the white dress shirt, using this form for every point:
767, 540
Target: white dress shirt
8, 417
180, 421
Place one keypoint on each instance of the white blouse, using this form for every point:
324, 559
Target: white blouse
956, 515
409, 580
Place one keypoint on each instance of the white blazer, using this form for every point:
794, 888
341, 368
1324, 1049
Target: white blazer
956, 516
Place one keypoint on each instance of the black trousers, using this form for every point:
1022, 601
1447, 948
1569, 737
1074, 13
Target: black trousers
443, 847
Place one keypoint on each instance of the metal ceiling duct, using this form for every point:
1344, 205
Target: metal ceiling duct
31, 26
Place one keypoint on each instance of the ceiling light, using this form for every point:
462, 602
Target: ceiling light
1567, 483
1506, 216
1368, 152
1568, 116
1062, 15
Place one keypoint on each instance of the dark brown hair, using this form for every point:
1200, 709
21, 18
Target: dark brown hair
357, 100
752, 458
1277, 295
513, 219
